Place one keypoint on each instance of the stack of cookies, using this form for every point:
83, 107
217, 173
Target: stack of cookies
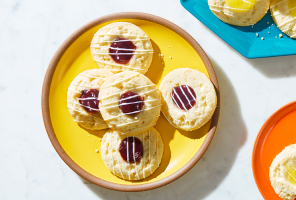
120, 98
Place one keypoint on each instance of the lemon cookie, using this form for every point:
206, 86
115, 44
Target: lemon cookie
284, 15
188, 98
133, 157
122, 46
82, 98
130, 102
239, 12
282, 173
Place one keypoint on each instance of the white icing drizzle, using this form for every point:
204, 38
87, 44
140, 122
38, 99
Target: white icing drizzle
121, 34
179, 99
92, 76
111, 152
149, 153
135, 158
115, 64
127, 91
143, 157
133, 122
277, 3
131, 112
137, 129
87, 98
286, 22
133, 40
233, 8
185, 94
90, 122
107, 53
73, 90
129, 103
247, 2
83, 105
81, 112
88, 86
126, 49
289, 172
121, 81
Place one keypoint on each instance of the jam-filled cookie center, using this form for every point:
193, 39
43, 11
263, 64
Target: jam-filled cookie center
184, 97
292, 7
240, 5
131, 103
131, 149
121, 50
89, 100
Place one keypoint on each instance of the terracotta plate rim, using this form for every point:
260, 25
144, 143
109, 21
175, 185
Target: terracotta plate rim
46, 114
260, 133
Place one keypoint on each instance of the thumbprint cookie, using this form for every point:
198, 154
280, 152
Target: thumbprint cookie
132, 157
188, 98
122, 46
284, 15
82, 98
129, 102
239, 12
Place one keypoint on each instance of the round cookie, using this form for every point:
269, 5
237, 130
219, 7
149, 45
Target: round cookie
130, 102
239, 12
146, 149
282, 173
82, 98
284, 15
122, 46
188, 98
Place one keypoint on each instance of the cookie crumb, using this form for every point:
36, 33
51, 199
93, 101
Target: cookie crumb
170, 57
100, 140
96, 151
269, 27
268, 32
271, 24
281, 35
257, 34
94, 140
267, 22
252, 26
275, 36
88, 135
169, 46
262, 38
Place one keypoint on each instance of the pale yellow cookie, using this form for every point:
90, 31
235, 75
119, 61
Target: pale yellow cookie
86, 116
188, 98
282, 173
284, 15
146, 149
143, 98
239, 12
125, 34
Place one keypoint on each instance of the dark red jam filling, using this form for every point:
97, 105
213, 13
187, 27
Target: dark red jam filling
131, 103
184, 97
118, 54
89, 100
131, 149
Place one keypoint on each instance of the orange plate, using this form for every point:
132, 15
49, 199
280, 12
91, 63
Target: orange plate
277, 133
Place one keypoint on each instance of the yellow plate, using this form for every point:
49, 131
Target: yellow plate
77, 146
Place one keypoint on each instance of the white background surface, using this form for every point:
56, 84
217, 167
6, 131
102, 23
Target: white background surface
30, 33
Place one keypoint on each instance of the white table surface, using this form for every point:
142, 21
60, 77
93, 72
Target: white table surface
30, 33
